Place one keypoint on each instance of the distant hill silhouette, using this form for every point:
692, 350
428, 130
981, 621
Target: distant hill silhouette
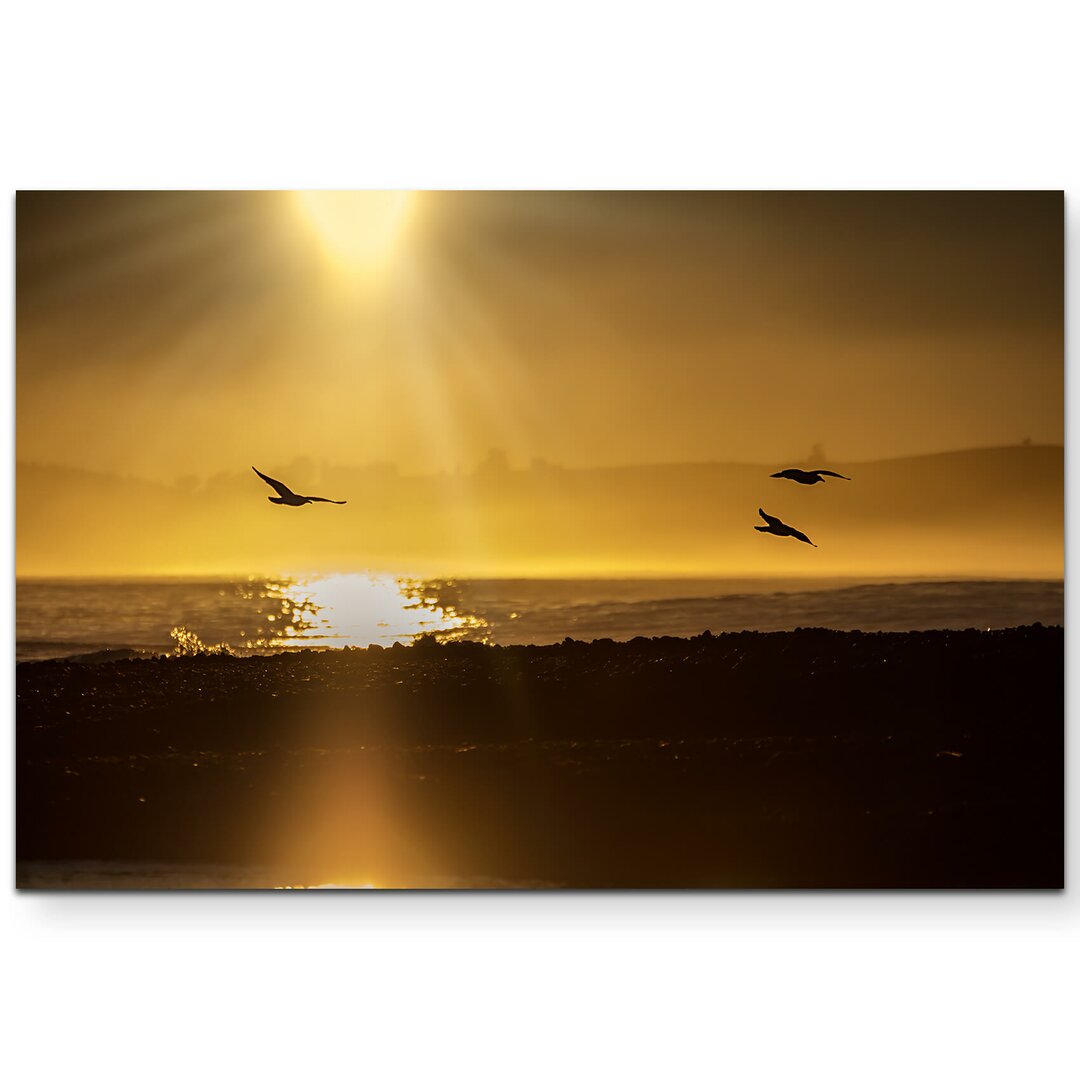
997, 511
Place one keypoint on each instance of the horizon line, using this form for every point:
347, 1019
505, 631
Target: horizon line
531, 465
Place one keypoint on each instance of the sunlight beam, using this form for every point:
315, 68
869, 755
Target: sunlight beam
357, 229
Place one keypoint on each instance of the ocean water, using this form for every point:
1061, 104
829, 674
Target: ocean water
103, 619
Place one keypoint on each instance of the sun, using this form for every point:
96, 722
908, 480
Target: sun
358, 229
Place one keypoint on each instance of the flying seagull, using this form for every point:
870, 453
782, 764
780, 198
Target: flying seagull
290, 498
778, 528
807, 476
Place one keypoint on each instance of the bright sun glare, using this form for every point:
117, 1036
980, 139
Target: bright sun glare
357, 228
357, 609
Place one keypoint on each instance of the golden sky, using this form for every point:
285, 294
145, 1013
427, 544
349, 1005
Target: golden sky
166, 342
187, 334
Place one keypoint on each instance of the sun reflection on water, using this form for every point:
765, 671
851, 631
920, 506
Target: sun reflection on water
359, 610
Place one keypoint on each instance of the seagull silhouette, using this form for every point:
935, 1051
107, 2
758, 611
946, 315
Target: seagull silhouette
778, 528
290, 498
807, 476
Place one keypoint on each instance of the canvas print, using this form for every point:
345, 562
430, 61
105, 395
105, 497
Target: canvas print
539, 539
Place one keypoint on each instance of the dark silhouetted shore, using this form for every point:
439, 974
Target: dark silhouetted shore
811, 758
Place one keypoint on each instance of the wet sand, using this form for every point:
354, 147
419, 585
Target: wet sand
810, 758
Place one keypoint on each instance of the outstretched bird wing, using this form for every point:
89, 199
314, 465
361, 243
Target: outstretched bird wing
769, 520
277, 485
801, 536
315, 498
825, 472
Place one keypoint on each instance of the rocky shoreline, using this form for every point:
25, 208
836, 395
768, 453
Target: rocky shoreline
810, 758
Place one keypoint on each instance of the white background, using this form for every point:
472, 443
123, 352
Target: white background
428, 95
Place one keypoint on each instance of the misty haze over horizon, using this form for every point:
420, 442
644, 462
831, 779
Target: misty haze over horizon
306, 469
993, 512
